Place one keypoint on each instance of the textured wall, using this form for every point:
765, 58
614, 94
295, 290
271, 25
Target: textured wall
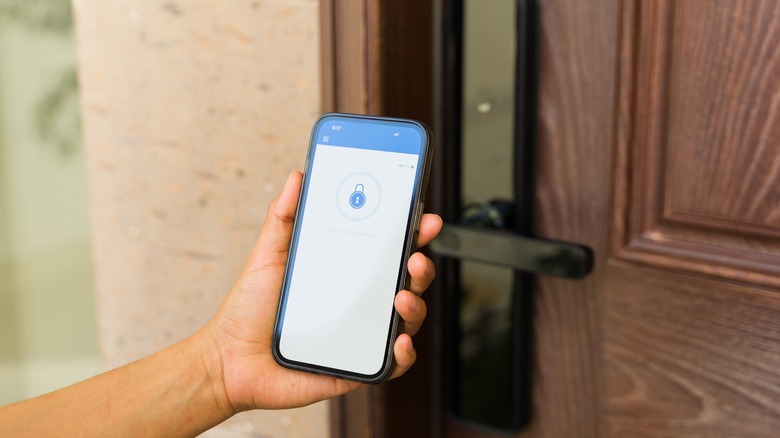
194, 114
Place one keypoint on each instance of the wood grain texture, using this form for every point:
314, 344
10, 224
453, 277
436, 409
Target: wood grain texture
690, 332
576, 95
700, 190
327, 55
690, 356
723, 135
353, 55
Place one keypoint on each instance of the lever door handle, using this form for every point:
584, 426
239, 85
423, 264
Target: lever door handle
511, 250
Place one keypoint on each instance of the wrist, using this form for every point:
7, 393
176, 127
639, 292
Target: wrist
210, 359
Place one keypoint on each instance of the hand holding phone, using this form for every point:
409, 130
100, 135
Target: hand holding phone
359, 207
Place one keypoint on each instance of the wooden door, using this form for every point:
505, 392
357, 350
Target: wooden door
659, 147
691, 305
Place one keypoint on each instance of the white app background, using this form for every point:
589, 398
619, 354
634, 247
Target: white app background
340, 300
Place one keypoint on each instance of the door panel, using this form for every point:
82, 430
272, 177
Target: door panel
691, 307
689, 356
699, 152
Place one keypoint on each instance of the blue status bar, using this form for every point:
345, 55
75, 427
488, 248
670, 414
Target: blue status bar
371, 134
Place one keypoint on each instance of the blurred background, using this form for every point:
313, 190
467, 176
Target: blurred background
48, 334
123, 240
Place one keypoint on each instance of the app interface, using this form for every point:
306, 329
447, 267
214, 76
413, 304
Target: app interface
345, 269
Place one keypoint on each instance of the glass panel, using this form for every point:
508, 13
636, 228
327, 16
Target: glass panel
485, 345
484, 372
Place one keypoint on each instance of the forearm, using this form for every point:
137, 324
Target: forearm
174, 392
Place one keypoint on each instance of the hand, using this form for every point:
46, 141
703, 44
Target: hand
241, 331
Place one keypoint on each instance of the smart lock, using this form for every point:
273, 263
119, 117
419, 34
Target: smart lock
486, 248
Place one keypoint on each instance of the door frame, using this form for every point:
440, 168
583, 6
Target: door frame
378, 57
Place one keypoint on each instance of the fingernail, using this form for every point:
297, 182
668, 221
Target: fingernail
410, 349
289, 178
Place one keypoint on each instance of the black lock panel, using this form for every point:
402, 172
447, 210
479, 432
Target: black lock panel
489, 251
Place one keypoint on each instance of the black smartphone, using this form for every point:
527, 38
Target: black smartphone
358, 211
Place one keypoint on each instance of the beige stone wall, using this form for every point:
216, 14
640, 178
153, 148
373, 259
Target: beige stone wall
194, 114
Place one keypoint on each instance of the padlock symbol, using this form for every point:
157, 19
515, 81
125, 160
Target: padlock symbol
357, 199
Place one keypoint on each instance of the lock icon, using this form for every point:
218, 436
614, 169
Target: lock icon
357, 199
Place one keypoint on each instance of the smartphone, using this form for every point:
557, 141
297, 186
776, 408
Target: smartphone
358, 211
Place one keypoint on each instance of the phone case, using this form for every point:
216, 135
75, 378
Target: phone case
356, 199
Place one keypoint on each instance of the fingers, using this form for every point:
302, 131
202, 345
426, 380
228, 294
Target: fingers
422, 272
408, 303
410, 307
430, 225
405, 355
412, 310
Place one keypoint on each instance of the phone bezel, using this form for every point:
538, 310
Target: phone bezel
412, 222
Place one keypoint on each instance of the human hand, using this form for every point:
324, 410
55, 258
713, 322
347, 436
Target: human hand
240, 334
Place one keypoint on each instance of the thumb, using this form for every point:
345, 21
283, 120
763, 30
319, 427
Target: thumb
274, 240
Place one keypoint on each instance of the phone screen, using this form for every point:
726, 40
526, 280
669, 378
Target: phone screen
353, 234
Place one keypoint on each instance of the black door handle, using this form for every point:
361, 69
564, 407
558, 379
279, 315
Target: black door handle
514, 251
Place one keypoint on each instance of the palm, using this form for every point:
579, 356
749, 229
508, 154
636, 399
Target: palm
243, 327
247, 325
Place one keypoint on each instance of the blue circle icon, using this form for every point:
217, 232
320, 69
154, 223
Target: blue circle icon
358, 196
357, 199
